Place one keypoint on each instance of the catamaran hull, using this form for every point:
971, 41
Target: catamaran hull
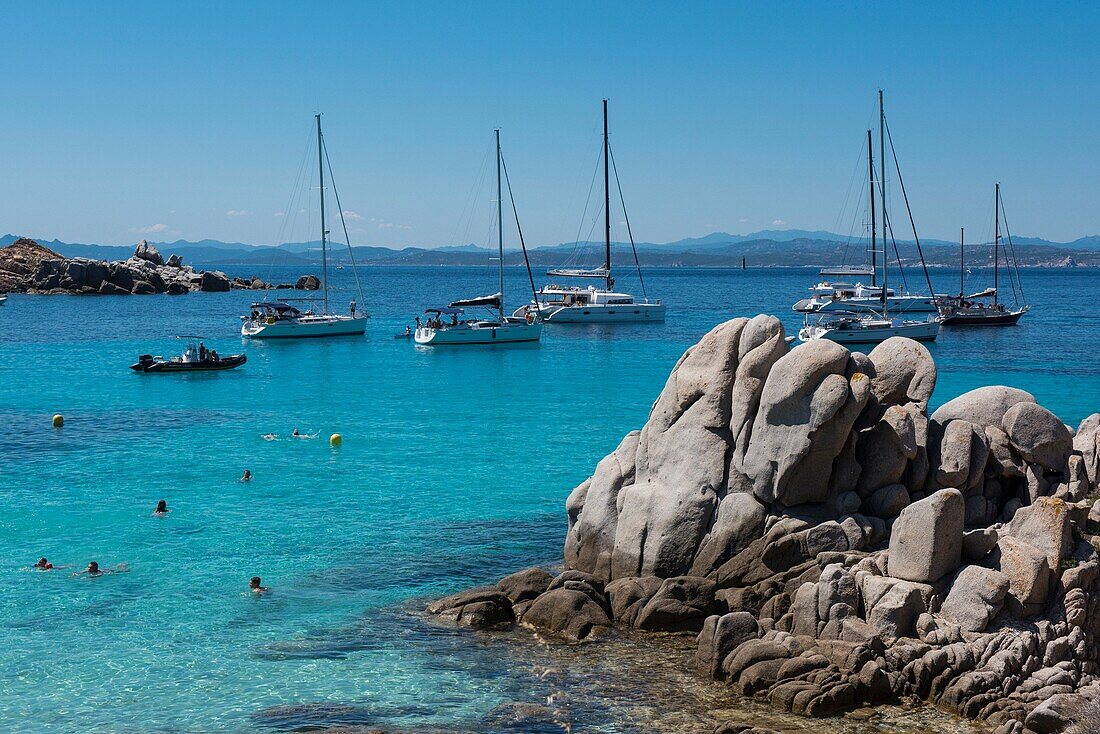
344, 326
923, 332
458, 336
600, 314
894, 304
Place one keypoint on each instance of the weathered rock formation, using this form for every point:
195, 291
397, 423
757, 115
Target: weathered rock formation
27, 267
833, 545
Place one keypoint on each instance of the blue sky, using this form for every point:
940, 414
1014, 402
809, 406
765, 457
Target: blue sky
124, 121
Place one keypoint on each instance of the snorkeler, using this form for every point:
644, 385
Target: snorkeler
254, 585
162, 508
43, 564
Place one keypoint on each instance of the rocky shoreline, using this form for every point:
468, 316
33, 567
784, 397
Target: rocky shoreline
27, 267
831, 545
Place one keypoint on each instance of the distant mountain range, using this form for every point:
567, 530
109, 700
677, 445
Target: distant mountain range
765, 248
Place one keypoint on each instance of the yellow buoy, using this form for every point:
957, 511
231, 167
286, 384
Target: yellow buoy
58, 420
336, 439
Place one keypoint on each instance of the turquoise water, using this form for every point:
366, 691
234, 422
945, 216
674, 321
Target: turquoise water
454, 470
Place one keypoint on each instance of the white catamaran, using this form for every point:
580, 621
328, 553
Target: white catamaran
559, 304
867, 320
280, 319
437, 330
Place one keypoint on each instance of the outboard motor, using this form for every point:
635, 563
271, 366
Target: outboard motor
146, 361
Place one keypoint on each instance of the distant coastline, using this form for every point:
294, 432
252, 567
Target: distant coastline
793, 248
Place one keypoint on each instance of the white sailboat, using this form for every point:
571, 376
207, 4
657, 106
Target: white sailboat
559, 304
496, 328
840, 295
867, 320
282, 320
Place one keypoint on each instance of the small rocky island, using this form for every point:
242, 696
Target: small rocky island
28, 267
834, 546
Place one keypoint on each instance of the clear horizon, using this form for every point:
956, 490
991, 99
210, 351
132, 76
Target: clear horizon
129, 121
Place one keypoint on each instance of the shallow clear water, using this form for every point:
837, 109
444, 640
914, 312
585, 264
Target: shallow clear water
454, 470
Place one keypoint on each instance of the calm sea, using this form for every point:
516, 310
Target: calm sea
454, 470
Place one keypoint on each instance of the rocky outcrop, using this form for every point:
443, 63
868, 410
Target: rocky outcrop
833, 545
27, 267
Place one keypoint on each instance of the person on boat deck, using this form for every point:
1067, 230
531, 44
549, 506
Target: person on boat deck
418, 324
351, 307
202, 351
254, 585
454, 319
162, 508
43, 564
247, 476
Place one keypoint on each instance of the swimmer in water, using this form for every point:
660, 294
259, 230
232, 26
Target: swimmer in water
296, 434
270, 437
43, 564
162, 508
255, 586
93, 569
247, 476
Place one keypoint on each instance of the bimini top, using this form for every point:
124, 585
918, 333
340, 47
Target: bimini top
278, 307
492, 301
445, 311
579, 273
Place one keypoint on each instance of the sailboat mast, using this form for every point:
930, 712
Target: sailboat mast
871, 179
882, 191
324, 232
962, 263
500, 231
606, 201
996, 240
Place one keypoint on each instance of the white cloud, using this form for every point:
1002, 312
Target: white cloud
237, 213
389, 225
151, 229
778, 222
349, 214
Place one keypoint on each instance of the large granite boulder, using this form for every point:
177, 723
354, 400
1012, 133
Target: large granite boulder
926, 539
214, 282
680, 466
593, 510
975, 597
308, 283
149, 253
985, 406
477, 608
1038, 435
904, 372
807, 410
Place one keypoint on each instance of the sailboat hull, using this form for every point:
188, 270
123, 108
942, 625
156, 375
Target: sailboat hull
1007, 318
509, 333
306, 327
919, 331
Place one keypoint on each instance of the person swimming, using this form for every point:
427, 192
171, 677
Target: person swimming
162, 508
296, 434
270, 437
93, 569
247, 476
254, 585
43, 564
